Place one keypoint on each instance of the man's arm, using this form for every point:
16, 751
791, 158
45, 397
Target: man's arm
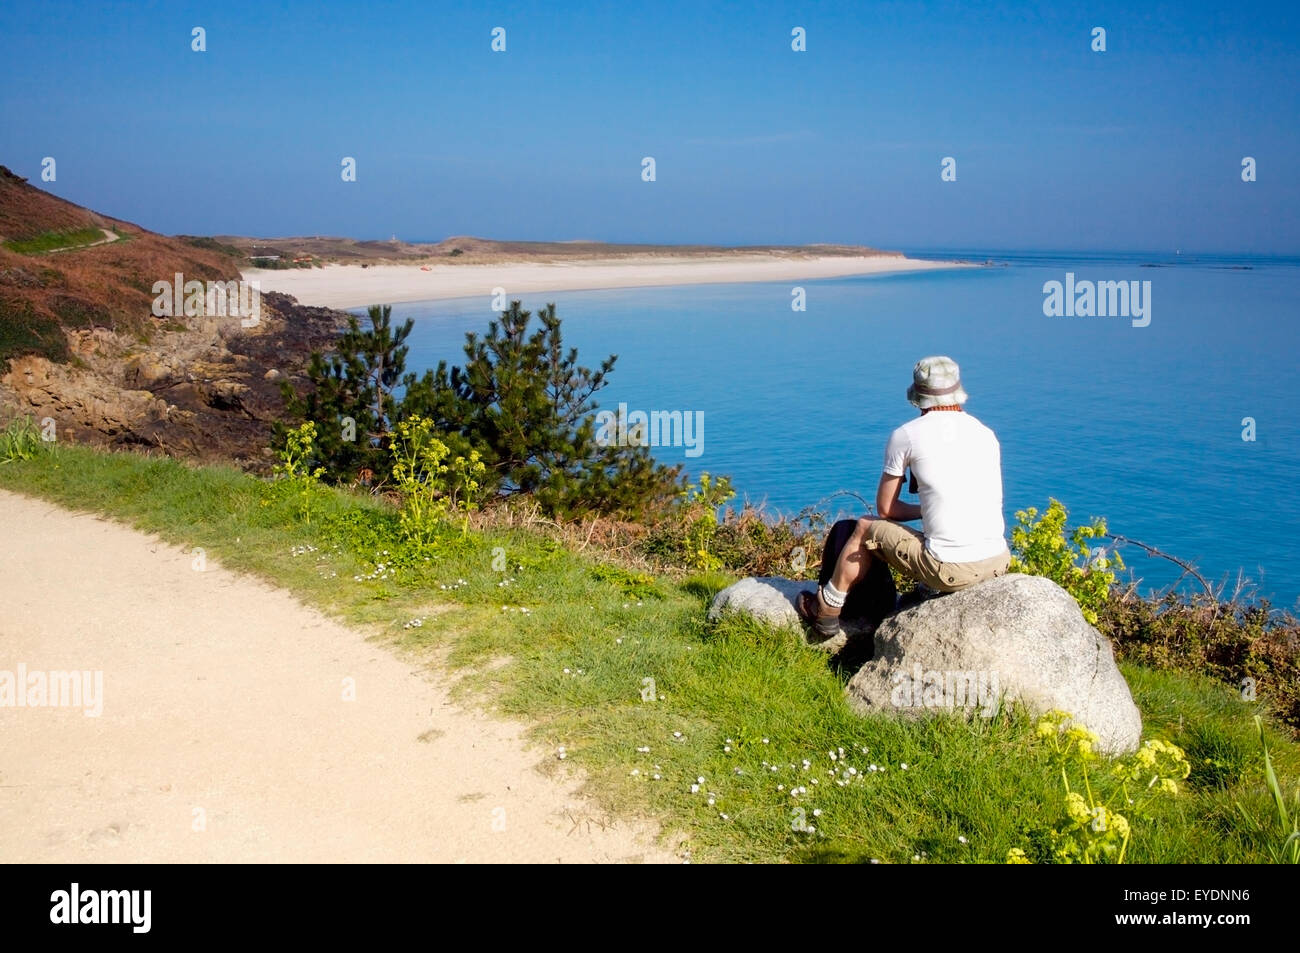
889, 505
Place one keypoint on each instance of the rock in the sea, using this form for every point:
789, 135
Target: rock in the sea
1013, 638
771, 599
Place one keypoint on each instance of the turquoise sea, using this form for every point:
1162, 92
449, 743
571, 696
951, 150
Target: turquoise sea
1142, 425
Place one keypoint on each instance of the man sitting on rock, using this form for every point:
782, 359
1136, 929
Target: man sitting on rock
956, 465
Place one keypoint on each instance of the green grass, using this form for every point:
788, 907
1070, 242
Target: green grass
770, 700
55, 241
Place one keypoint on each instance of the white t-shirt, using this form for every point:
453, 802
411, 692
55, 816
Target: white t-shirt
957, 463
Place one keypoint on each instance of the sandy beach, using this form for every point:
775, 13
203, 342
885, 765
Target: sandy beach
352, 286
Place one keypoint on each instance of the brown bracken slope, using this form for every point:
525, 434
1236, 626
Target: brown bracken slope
79, 343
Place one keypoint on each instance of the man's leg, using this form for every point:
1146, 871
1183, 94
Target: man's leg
863, 587
873, 597
904, 548
836, 540
844, 562
852, 569
957, 576
854, 560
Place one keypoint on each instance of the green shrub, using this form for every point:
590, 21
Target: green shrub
698, 508
747, 542
521, 402
1042, 548
1250, 647
351, 396
211, 244
526, 403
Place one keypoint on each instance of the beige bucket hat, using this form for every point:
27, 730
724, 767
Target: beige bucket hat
936, 382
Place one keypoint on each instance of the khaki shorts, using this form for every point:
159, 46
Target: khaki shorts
904, 549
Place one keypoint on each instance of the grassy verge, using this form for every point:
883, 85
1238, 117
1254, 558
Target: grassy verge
55, 241
554, 636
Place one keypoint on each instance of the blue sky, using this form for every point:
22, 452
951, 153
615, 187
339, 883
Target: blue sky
1057, 147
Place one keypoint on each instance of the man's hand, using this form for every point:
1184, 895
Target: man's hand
889, 505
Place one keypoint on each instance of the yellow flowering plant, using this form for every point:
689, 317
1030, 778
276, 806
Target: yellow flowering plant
1040, 547
295, 476
466, 485
1092, 831
699, 504
431, 488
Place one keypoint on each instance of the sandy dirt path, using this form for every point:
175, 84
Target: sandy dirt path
224, 735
